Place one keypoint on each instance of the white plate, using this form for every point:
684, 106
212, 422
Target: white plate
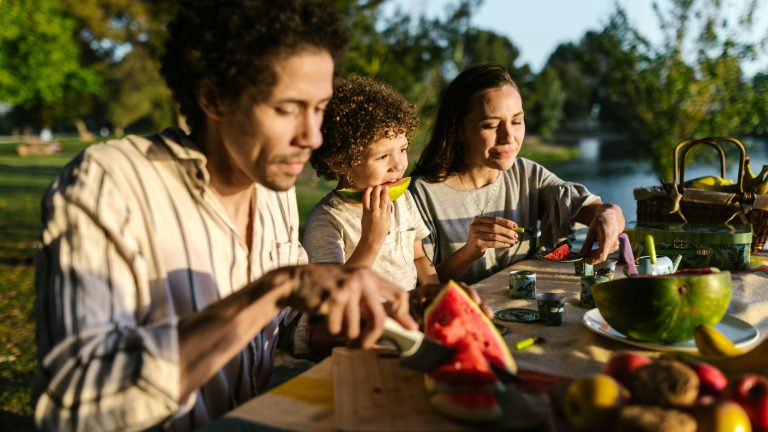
740, 332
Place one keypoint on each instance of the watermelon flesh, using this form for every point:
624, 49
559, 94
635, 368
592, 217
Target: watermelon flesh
462, 387
562, 252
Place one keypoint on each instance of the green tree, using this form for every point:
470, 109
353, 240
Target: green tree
39, 61
414, 54
668, 93
123, 39
566, 62
544, 105
757, 120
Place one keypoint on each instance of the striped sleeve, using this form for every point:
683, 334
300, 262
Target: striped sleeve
99, 368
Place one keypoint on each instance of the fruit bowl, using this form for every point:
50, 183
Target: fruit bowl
664, 309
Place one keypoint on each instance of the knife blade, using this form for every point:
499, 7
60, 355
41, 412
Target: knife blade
417, 352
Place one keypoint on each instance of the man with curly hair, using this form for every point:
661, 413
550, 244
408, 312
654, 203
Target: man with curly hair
170, 265
366, 133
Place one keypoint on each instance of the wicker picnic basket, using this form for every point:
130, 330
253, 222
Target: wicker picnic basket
677, 203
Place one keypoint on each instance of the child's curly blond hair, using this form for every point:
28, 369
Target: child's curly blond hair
361, 111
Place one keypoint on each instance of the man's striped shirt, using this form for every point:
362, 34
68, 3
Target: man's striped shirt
133, 240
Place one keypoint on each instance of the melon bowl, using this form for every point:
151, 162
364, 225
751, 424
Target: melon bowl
664, 309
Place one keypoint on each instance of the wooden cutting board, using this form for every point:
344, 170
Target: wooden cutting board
372, 392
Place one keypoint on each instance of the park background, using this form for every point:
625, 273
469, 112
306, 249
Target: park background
604, 108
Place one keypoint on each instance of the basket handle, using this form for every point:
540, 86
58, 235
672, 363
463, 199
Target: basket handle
686, 146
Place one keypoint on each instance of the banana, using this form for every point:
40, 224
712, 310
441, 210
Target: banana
752, 361
709, 183
748, 173
755, 183
710, 341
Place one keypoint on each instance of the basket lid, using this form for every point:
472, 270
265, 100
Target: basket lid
712, 234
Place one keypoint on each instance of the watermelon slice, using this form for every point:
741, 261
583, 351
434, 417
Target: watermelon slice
463, 387
562, 252
475, 407
396, 190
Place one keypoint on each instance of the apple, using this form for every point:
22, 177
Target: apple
751, 392
721, 415
622, 364
713, 381
592, 402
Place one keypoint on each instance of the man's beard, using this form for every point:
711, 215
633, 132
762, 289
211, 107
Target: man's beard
281, 182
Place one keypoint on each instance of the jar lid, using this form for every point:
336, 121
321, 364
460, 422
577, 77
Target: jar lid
517, 315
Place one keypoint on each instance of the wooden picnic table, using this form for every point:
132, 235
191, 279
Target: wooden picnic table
306, 402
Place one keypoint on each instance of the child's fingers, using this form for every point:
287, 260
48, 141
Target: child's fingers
385, 201
368, 195
375, 197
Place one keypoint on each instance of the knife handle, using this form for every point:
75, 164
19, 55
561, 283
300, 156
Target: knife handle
408, 341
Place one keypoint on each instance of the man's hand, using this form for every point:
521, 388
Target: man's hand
605, 228
490, 232
344, 295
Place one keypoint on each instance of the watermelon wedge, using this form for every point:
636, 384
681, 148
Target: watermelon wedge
463, 388
562, 252
396, 190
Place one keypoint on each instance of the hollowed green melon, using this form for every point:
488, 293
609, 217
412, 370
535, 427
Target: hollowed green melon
664, 309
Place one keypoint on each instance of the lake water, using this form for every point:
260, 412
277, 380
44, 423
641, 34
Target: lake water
609, 170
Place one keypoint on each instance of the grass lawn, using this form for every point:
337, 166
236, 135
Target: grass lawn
22, 183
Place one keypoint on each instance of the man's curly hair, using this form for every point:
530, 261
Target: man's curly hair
360, 112
234, 44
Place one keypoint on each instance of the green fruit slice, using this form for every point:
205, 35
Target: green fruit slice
664, 309
396, 190
471, 406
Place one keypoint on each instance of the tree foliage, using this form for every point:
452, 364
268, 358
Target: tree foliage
689, 85
39, 61
62, 60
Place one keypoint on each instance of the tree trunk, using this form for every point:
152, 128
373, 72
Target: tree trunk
82, 131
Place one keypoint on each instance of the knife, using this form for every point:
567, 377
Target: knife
417, 352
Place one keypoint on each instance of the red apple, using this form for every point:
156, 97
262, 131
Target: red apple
713, 381
622, 364
751, 392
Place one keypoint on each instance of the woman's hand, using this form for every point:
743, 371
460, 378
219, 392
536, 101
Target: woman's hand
607, 223
490, 232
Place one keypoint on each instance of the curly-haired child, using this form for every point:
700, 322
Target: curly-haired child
366, 133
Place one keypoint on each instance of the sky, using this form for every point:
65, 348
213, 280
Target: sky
537, 27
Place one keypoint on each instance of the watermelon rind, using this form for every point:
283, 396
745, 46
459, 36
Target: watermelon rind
396, 190
664, 309
474, 407
432, 386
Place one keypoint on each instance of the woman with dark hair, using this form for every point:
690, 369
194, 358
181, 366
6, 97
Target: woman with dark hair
473, 191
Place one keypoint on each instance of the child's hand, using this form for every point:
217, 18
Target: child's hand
491, 232
377, 212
